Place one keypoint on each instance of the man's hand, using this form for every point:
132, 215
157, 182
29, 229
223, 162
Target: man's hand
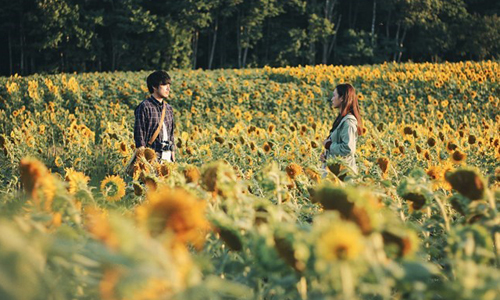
140, 149
173, 156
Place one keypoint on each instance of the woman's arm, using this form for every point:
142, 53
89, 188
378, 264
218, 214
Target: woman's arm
347, 143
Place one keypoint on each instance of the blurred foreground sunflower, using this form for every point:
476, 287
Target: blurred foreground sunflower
175, 210
343, 241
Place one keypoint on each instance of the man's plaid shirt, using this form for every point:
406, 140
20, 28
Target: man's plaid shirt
147, 119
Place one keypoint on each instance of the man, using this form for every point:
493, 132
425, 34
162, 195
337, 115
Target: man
148, 115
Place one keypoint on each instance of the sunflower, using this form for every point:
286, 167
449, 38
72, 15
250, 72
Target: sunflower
313, 175
32, 172
138, 189
427, 155
407, 130
303, 128
431, 141
109, 283
293, 170
267, 147
177, 211
418, 149
271, 128
434, 172
219, 139
98, 224
253, 147
341, 242
76, 180
383, 164
192, 174
41, 129
249, 160
113, 188
401, 149
150, 155
37, 180
123, 148
417, 200
458, 157
251, 129
151, 182
238, 114
231, 237
190, 150
467, 182
406, 242
284, 115
451, 146
58, 161
216, 173
164, 170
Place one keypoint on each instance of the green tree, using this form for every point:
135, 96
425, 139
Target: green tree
251, 15
125, 21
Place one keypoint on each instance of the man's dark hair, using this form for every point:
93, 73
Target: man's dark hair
156, 79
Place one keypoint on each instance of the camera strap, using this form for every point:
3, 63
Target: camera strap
155, 135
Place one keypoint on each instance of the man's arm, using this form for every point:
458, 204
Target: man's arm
140, 126
172, 138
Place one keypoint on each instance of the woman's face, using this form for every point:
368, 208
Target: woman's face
336, 101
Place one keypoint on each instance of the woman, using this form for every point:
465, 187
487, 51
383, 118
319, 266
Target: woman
347, 127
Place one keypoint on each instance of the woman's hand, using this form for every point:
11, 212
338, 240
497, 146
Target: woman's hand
322, 158
327, 143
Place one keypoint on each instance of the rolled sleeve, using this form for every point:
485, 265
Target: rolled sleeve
347, 143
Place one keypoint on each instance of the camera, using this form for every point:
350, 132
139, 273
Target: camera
167, 146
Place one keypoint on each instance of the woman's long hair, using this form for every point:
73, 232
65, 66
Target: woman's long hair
349, 104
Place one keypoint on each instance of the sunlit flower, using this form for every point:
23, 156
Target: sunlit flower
76, 180
293, 170
113, 188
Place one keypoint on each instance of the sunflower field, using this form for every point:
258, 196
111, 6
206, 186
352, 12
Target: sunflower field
248, 211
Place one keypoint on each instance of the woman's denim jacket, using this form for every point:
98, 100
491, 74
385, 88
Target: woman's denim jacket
344, 139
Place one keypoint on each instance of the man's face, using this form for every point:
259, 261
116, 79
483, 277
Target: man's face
163, 90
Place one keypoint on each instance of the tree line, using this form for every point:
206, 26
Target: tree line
49, 36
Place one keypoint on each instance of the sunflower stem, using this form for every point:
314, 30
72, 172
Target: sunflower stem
491, 201
401, 211
443, 212
346, 278
302, 288
497, 246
